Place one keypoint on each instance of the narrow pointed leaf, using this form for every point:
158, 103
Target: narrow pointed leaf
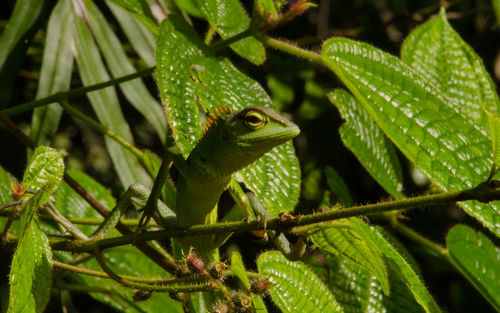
139, 36
55, 74
478, 259
140, 9
401, 266
337, 186
229, 18
105, 104
446, 146
353, 243
295, 286
25, 14
438, 53
191, 81
365, 139
31, 269
119, 64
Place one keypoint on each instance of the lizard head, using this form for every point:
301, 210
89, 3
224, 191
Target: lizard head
236, 140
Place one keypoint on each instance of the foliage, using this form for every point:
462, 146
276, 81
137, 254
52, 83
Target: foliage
433, 111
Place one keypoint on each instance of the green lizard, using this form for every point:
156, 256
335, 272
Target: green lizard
230, 143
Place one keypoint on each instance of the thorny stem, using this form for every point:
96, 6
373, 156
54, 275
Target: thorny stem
139, 285
28, 106
145, 280
161, 258
286, 223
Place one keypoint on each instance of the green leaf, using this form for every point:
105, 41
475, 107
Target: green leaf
357, 291
139, 36
55, 74
71, 204
140, 9
230, 19
105, 104
363, 137
447, 62
45, 169
295, 286
31, 270
119, 64
268, 6
6, 180
185, 70
496, 8
353, 243
24, 15
478, 259
337, 186
494, 126
404, 270
447, 147
238, 269
189, 7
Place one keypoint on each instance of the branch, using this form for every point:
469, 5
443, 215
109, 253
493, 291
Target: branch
58, 96
286, 222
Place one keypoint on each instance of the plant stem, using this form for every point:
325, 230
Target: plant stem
224, 43
146, 280
292, 49
101, 128
151, 207
138, 285
418, 238
284, 223
28, 106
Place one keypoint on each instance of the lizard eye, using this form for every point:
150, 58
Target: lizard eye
254, 120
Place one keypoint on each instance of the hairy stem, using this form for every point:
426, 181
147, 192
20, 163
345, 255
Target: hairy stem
292, 49
285, 223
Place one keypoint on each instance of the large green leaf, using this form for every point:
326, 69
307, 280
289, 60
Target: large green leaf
295, 286
357, 291
353, 243
478, 259
25, 14
438, 53
55, 74
120, 65
401, 266
105, 102
364, 138
446, 146
191, 81
31, 269
229, 18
